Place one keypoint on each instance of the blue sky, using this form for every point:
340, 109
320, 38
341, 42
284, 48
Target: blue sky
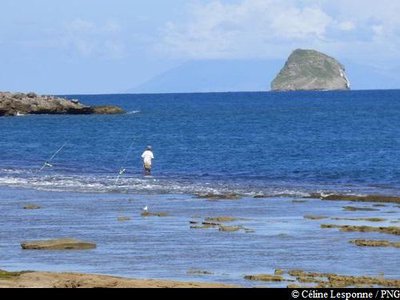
99, 46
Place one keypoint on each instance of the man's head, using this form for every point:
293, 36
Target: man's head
148, 147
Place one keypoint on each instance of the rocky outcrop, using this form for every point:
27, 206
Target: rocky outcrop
58, 244
311, 70
107, 110
31, 206
15, 104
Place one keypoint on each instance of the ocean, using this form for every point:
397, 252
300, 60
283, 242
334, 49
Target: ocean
271, 143
283, 146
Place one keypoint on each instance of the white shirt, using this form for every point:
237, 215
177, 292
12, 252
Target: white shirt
147, 157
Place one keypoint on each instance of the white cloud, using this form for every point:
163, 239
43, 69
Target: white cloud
346, 26
94, 40
218, 30
272, 28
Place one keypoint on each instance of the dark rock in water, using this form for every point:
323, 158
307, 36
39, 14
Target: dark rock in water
328, 280
22, 104
210, 223
353, 208
221, 219
311, 70
375, 243
155, 214
355, 198
201, 226
349, 228
58, 244
198, 272
107, 110
259, 196
314, 217
123, 219
32, 206
264, 277
212, 196
229, 228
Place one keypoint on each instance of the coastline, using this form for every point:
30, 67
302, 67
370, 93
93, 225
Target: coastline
78, 280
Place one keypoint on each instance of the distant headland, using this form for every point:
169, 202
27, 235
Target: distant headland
15, 104
311, 70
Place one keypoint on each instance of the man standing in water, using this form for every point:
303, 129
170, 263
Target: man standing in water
147, 157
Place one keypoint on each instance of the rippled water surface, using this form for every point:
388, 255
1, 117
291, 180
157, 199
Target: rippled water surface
278, 236
282, 145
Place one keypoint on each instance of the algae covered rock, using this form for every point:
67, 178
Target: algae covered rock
31, 206
311, 70
264, 277
58, 244
153, 214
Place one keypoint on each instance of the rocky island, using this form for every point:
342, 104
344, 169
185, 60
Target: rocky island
14, 104
310, 70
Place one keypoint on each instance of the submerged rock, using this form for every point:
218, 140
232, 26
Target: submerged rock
299, 201
356, 198
361, 219
21, 104
153, 214
313, 217
123, 219
212, 196
198, 272
32, 206
58, 244
229, 228
264, 277
349, 228
107, 110
375, 243
327, 280
311, 70
201, 226
353, 208
221, 219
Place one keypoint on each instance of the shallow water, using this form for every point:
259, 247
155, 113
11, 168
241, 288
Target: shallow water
166, 247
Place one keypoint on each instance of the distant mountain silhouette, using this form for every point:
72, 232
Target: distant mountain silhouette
214, 76
251, 75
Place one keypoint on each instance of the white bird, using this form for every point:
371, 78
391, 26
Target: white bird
145, 208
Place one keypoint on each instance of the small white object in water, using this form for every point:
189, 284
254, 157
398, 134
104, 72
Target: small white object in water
145, 208
323, 195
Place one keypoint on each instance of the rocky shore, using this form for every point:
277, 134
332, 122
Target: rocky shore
31, 279
16, 104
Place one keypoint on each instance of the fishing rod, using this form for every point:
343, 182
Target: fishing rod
47, 162
122, 170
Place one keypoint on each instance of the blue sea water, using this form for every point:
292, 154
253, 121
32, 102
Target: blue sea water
283, 145
271, 143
